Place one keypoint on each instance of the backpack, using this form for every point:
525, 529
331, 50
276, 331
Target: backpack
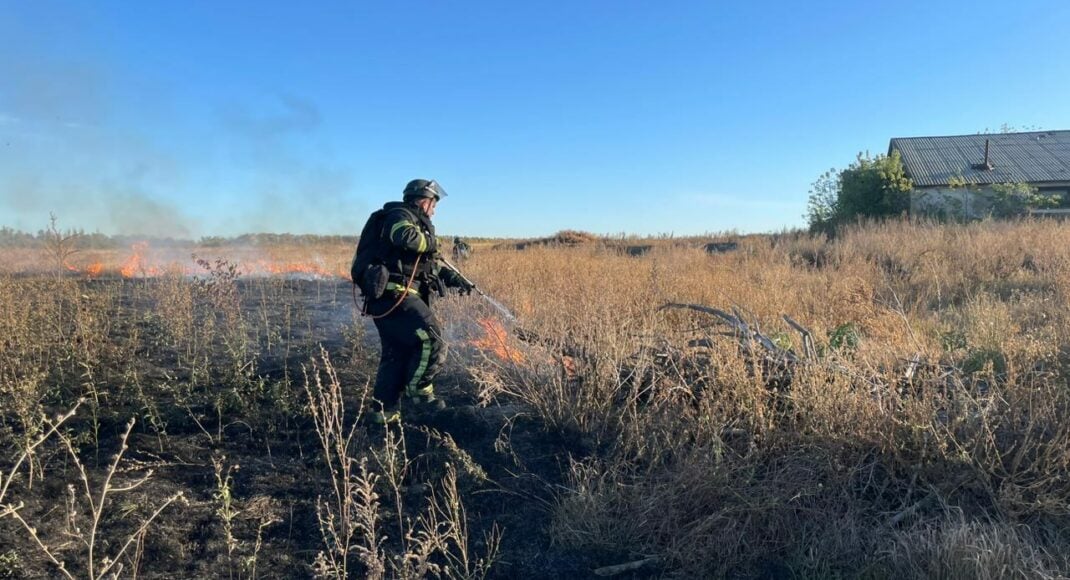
368, 271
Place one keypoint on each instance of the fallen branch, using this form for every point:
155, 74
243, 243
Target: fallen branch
912, 367
807, 336
622, 568
748, 337
744, 332
911, 510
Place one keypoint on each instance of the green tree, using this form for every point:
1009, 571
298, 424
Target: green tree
871, 187
1013, 199
874, 187
822, 208
1004, 200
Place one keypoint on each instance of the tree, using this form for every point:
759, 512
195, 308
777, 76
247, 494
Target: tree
822, 208
1015, 199
60, 245
871, 187
874, 187
1004, 200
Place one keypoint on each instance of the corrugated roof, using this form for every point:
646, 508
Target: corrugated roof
1035, 157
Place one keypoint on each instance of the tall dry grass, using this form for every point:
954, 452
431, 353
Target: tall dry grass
183, 356
709, 460
713, 462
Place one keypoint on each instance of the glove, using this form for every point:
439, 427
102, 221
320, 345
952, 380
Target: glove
455, 280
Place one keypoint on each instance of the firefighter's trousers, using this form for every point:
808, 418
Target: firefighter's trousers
413, 349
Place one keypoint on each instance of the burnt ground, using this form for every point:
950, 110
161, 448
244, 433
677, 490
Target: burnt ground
510, 465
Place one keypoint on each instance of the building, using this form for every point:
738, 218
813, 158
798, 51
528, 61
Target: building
955, 175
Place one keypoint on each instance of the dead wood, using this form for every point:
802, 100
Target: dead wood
626, 567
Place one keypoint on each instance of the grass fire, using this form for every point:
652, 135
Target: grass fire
534, 290
891, 402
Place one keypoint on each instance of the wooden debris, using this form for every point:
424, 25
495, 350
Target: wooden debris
626, 567
782, 359
747, 336
808, 338
912, 367
911, 510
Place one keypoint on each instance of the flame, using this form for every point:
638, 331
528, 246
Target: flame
93, 270
496, 340
132, 264
568, 364
135, 264
144, 263
309, 269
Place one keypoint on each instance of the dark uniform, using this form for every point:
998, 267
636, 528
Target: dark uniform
413, 347
461, 250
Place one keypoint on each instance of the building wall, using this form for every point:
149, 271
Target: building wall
970, 203
957, 202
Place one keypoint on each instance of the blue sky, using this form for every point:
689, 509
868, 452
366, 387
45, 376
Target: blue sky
200, 118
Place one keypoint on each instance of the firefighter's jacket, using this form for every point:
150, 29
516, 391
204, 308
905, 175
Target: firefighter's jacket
409, 234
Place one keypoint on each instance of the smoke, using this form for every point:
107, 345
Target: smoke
310, 200
297, 115
28, 199
135, 213
296, 187
60, 154
112, 151
45, 90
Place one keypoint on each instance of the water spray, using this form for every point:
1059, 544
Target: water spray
497, 305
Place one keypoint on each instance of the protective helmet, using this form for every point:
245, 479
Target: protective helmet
421, 188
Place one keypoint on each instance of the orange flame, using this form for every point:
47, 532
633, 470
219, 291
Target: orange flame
314, 270
496, 341
135, 264
94, 269
142, 263
568, 364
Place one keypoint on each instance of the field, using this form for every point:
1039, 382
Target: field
888, 404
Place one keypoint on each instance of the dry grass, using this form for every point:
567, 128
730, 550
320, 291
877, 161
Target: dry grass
708, 459
704, 461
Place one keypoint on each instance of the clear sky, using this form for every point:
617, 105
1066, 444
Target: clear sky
195, 118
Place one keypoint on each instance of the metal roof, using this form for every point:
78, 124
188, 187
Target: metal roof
1036, 157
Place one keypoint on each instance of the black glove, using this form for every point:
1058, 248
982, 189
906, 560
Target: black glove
455, 280
432, 244
440, 286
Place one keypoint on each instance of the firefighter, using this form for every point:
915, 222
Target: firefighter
461, 250
404, 256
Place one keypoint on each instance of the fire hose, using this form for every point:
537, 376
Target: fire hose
497, 305
401, 295
520, 332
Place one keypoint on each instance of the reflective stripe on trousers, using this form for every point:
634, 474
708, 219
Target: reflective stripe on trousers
425, 356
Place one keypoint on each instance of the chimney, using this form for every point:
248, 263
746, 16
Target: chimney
987, 165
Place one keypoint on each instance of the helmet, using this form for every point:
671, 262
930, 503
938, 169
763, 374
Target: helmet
421, 188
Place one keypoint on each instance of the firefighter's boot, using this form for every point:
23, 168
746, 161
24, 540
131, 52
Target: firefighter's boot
424, 399
386, 416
